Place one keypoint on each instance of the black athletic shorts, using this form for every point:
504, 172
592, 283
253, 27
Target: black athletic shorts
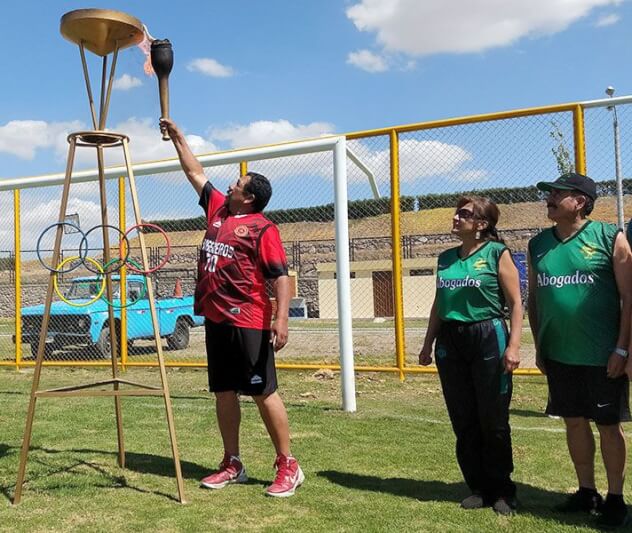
587, 392
239, 359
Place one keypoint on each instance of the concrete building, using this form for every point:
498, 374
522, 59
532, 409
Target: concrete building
372, 288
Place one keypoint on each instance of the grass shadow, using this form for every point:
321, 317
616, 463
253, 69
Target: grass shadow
528, 413
142, 463
405, 487
535, 501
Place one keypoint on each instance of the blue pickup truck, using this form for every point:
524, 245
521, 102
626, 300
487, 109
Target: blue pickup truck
89, 325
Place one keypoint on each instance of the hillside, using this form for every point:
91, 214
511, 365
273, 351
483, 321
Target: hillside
512, 216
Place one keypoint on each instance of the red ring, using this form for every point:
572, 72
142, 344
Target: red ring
167, 255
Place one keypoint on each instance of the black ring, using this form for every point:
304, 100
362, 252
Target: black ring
121, 261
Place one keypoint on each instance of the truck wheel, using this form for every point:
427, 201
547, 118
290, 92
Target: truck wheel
103, 348
180, 338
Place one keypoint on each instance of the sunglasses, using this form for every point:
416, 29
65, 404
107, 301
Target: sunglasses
465, 214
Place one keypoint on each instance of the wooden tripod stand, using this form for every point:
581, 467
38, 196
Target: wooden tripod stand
112, 31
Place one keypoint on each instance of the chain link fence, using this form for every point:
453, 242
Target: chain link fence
501, 158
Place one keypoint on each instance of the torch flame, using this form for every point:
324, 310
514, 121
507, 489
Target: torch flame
145, 46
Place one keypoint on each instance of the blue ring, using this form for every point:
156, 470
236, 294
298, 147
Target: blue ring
81, 256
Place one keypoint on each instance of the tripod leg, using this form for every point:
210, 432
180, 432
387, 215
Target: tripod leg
114, 344
154, 318
30, 415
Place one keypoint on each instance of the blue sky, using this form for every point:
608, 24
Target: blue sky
251, 72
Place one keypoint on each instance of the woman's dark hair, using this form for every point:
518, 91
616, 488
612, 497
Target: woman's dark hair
484, 209
259, 186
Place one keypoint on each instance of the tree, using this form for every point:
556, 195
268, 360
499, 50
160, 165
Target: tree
561, 152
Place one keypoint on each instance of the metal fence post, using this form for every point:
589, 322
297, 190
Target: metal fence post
18, 278
579, 136
398, 291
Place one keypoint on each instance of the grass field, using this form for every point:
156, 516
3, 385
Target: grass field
388, 467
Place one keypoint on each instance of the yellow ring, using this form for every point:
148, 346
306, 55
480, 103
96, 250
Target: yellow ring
90, 260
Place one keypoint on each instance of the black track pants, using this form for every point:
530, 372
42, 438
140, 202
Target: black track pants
477, 393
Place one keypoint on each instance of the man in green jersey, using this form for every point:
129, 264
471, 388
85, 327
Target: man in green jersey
580, 301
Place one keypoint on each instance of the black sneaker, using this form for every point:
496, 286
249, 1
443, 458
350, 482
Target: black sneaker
473, 501
613, 514
505, 506
582, 501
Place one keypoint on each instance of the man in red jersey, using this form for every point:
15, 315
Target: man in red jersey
241, 249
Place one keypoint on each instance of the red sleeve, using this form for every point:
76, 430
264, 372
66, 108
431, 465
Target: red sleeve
211, 200
271, 253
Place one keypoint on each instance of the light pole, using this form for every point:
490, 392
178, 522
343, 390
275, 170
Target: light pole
617, 159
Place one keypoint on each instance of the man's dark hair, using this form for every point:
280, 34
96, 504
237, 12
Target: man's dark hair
589, 204
259, 186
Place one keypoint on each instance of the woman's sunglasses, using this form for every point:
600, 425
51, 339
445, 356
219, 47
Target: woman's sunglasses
465, 214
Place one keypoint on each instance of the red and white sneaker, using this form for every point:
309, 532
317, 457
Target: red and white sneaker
231, 470
288, 478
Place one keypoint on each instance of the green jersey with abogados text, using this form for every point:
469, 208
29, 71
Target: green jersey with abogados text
468, 288
577, 298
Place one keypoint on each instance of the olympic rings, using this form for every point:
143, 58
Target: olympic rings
56, 286
167, 255
121, 260
81, 256
131, 302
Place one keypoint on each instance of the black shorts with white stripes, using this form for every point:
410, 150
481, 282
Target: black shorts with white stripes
239, 359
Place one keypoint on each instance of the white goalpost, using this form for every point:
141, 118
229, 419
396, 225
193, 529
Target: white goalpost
337, 146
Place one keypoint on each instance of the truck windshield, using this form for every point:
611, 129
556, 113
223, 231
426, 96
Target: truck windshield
88, 289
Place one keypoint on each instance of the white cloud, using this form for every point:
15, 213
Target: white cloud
23, 138
472, 175
43, 210
607, 20
417, 160
210, 67
462, 26
269, 132
367, 60
145, 144
126, 82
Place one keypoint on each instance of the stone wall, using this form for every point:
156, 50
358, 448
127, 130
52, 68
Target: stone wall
303, 257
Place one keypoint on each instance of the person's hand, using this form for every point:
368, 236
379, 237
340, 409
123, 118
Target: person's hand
169, 126
511, 359
279, 333
539, 362
616, 365
425, 355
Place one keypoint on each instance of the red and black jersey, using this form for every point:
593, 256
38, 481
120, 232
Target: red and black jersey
238, 254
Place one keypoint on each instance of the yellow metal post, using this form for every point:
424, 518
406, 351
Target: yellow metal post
123, 274
398, 299
580, 139
243, 167
18, 277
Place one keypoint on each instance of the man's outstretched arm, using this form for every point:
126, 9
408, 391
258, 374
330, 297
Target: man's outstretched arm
190, 165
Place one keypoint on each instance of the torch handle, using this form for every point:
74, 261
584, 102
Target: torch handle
163, 89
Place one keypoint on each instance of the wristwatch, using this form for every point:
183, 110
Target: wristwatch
621, 351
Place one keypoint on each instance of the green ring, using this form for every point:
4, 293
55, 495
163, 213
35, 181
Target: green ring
142, 293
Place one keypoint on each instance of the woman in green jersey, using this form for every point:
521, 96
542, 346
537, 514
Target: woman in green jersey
580, 302
474, 352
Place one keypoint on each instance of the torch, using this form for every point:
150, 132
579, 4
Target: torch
162, 63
